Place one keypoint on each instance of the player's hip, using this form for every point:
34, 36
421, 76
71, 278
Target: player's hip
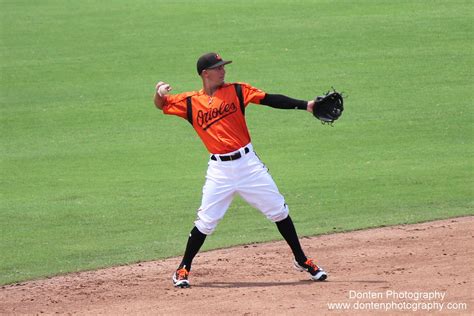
244, 162
231, 158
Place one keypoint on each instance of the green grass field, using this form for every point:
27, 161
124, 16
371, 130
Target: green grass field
92, 175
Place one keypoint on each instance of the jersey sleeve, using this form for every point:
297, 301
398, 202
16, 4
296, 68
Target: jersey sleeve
176, 105
251, 94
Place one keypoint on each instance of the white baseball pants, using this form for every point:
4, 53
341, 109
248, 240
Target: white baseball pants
246, 176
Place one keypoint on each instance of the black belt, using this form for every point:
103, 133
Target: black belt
235, 156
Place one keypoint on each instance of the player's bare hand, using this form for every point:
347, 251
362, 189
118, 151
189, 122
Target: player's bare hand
162, 88
158, 85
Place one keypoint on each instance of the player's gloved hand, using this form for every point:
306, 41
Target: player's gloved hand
328, 107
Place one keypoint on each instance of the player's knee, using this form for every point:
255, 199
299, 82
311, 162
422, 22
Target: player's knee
278, 214
205, 228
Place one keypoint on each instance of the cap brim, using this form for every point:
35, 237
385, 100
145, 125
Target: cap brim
221, 63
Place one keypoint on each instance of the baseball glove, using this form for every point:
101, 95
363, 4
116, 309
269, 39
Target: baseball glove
328, 107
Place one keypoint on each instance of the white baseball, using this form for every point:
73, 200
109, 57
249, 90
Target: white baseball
164, 90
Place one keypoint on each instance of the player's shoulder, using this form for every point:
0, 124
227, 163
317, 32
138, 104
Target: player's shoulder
248, 87
245, 85
176, 98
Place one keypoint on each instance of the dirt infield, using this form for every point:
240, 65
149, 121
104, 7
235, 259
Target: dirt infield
400, 269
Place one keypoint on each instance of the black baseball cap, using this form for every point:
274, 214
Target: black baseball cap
209, 61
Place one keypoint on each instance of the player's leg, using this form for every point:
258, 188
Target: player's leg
260, 191
195, 241
216, 198
288, 231
301, 262
217, 194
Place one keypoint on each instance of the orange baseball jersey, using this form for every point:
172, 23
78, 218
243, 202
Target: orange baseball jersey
218, 120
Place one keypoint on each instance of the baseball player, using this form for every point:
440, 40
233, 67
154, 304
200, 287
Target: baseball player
217, 113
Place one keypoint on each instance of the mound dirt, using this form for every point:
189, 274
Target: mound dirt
423, 269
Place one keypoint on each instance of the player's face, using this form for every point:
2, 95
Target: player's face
216, 75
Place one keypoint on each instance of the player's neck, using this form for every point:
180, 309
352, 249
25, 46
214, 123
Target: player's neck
209, 88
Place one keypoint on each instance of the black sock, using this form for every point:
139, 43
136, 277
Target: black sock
288, 231
195, 241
